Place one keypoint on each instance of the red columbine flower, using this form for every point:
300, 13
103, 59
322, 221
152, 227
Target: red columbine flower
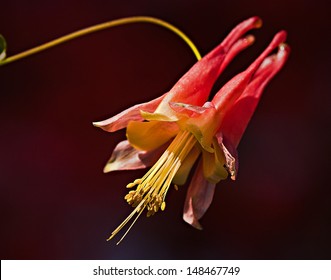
172, 132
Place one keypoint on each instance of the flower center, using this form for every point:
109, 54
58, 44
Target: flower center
153, 186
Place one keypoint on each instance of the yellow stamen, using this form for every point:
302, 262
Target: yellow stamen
153, 186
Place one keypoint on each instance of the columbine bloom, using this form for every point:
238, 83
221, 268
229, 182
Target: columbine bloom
172, 132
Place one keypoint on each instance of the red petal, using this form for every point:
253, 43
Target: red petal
237, 119
230, 153
125, 157
122, 119
240, 30
231, 91
198, 199
240, 45
195, 86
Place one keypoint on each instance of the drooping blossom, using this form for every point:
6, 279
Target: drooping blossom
172, 132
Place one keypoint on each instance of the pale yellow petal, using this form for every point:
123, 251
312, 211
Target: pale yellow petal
150, 135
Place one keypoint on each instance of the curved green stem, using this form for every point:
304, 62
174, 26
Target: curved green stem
102, 26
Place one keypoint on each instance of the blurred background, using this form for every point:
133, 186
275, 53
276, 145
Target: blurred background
55, 201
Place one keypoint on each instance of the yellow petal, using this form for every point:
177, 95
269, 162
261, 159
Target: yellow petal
213, 164
184, 170
204, 127
158, 116
148, 136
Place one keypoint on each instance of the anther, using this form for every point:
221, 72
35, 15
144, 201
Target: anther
135, 182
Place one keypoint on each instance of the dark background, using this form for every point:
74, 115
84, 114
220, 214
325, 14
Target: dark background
55, 201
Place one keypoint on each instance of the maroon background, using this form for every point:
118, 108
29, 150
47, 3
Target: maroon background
55, 201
